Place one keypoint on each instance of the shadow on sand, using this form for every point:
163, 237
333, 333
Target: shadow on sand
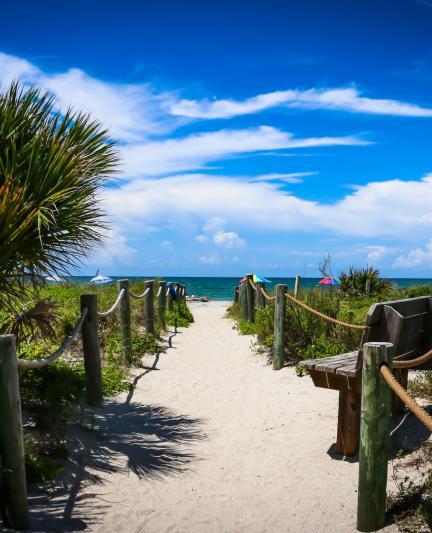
149, 441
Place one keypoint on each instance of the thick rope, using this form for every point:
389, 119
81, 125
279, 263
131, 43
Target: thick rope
103, 314
408, 400
139, 296
322, 315
167, 291
410, 363
24, 363
270, 298
159, 291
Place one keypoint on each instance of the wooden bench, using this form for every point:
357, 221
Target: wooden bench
405, 323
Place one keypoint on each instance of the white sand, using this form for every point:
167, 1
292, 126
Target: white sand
255, 446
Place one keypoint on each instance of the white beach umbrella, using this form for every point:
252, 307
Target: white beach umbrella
99, 279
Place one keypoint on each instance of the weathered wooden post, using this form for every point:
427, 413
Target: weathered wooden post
250, 296
374, 437
14, 493
279, 327
169, 298
178, 293
261, 302
149, 318
368, 287
92, 362
161, 303
297, 284
236, 294
125, 321
243, 301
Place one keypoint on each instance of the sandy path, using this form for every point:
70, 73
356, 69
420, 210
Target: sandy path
215, 441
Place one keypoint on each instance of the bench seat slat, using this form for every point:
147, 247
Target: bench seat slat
331, 364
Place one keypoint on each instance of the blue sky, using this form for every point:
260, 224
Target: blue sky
254, 135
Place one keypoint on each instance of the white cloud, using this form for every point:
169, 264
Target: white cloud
415, 258
292, 177
377, 252
13, 68
394, 208
167, 245
114, 250
136, 113
131, 112
339, 99
210, 259
194, 151
201, 238
228, 239
214, 224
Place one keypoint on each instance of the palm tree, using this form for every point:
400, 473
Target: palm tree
52, 167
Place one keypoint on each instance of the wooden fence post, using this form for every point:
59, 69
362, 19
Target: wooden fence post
149, 318
297, 286
236, 294
250, 297
374, 437
279, 327
261, 302
14, 501
161, 304
169, 298
243, 301
368, 287
92, 362
125, 321
178, 290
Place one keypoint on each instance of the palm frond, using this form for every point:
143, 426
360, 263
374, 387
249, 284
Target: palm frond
52, 167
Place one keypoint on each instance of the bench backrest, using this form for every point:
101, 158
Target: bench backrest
405, 323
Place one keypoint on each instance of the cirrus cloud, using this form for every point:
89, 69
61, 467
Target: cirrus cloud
339, 99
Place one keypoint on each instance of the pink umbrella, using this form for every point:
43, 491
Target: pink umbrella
330, 280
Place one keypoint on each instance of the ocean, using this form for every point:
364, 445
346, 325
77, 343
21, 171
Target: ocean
222, 288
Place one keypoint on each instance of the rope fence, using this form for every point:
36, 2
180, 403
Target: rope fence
14, 503
405, 396
412, 363
139, 296
24, 363
114, 306
267, 296
324, 316
377, 383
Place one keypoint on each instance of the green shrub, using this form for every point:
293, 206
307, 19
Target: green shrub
353, 282
245, 328
307, 335
63, 382
179, 316
412, 292
264, 324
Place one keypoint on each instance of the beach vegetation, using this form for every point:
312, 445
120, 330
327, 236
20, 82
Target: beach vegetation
180, 316
354, 283
52, 167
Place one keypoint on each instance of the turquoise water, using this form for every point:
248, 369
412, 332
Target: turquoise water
222, 288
